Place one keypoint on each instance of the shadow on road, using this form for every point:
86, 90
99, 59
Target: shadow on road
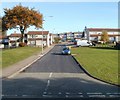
59, 53
72, 87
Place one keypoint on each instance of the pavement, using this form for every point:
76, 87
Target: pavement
21, 65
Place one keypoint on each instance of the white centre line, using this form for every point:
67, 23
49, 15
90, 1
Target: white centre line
59, 93
44, 92
67, 93
50, 75
66, 96
79, 93
48, 83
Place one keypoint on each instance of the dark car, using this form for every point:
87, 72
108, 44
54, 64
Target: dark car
66, 51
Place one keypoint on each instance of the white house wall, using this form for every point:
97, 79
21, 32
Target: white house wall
36, 39
48, 40
38, 42
51, 39
14, 38
117, 38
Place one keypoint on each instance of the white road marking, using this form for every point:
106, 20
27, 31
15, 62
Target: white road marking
48, 84
113, 93
80, 96
66, 96
79, 93
67, 93
47, 95
44, 92
24, 95
50, 75
59, 93
9, 95
94, 93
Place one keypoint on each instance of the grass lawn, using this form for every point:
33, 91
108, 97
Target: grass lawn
100, 62
11, 56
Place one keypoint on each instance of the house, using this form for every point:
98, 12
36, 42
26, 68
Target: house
70, 35
62, 36
78, 35
37, 38
1, 38
1, 42
14, 39
54, 36
94, 34
4, 41
33, 38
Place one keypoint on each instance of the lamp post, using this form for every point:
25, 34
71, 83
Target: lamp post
42, 41
43, 34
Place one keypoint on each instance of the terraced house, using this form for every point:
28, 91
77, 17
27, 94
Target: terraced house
37, 38
94, 34
32, 38
14, 39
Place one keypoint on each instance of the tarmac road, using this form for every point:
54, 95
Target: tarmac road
55, 62
56, 76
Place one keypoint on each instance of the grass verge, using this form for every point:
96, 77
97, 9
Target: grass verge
100, 62
11, 56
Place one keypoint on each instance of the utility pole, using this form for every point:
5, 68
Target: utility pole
43, 35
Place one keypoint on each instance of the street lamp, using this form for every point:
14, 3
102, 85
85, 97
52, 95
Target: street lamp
42, 40
43, 34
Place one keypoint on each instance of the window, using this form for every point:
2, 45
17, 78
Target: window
44, 36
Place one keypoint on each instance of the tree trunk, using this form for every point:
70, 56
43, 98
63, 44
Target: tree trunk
22, 33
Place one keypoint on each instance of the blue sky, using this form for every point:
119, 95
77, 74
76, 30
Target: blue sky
73, 16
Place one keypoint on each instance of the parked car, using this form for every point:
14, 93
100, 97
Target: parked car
66, 51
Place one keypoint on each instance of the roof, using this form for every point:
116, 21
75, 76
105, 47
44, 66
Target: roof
33, 39
3, 37
38, 32
15, 35
106, 29
110, 35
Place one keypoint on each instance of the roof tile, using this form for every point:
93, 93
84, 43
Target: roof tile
107, 29
38, 32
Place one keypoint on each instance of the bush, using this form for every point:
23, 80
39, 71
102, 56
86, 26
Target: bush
21, 44
57, 39
117, 46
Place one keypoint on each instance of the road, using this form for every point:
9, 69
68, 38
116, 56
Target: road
56, 75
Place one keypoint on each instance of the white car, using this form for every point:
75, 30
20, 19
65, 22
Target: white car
83, 43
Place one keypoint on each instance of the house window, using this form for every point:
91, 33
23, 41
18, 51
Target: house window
44, 36
33, 42
32, 36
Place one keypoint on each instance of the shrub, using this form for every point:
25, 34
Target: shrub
57, 39
117, 46
21, 44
